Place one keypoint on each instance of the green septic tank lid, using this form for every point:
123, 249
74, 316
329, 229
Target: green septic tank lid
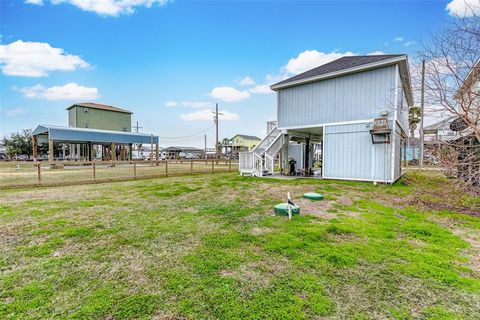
282, 209
313, 196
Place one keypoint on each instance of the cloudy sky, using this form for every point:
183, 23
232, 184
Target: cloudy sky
170, 61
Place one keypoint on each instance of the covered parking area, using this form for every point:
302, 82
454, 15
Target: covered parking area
89, 144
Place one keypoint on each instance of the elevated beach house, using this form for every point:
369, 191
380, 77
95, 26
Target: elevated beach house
351, 113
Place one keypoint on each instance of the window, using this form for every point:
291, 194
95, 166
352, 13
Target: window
85, 110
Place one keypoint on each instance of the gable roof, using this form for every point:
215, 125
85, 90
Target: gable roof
443, 124
349, 65
99, 106
343, 63
247, 137
472, 76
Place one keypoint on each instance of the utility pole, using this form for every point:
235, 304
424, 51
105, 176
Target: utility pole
216, 130
137, 127
422, 113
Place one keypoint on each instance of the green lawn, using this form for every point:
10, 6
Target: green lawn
209, 247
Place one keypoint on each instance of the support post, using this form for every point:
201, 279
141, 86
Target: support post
151, 149
166, 168
90, 151
134, 170
422, 107
50, 151
34, 147
94, 173
114, 152
130, 150
230, 165
39, 174
213, 166
285, 153
156, 153
191, 166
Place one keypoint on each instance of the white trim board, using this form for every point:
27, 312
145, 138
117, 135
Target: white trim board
328, 124
359, 179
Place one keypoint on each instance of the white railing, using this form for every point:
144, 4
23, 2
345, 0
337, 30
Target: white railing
269, 138
257, 165
245, 163
269, 164
261, 159
274, 147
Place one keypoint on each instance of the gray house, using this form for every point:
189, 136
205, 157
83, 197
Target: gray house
355, 109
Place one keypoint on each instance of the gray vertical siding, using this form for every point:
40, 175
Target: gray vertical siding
402, 107
397, 168
350, 154
353, 97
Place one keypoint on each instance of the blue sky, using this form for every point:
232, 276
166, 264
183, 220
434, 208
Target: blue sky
169, 62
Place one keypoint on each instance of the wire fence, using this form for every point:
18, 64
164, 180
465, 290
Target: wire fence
43, 173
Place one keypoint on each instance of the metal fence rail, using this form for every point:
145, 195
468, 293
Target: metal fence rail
43, 173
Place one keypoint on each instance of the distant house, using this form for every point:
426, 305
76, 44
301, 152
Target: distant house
176, 152
99, 116
439, 131
243, 142
142, 152
355, 108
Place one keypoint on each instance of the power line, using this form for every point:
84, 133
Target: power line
189, 136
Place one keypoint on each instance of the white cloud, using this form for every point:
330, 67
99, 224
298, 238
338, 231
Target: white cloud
207, 114
171, 104
70, 91
229, 94
261, 88
310, 59
305, 60
111, 8
463, 8
196, 104
14, 111
409, 43
36, 59
37, 2
375, 53
246, 81
398, 39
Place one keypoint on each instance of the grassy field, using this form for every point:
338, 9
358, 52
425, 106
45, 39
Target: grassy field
208, 246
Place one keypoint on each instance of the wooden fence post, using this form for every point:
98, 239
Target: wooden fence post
39, 174
230, 165
94, 173
191, 166
134, 170
166, 168
213, 166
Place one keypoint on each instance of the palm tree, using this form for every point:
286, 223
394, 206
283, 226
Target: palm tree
414, 117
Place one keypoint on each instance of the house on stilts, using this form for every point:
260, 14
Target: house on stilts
352, 112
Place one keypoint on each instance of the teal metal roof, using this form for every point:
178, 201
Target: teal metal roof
72, 134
